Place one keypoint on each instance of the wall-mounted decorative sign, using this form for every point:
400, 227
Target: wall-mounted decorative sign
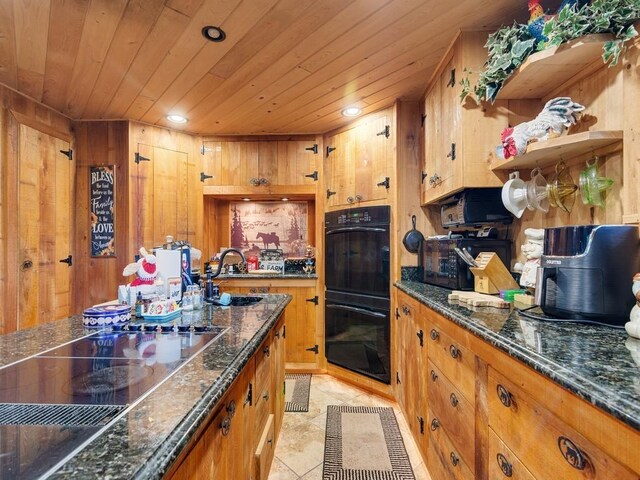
102, 211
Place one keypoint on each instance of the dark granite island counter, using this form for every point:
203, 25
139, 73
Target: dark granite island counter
145, 439
597, 363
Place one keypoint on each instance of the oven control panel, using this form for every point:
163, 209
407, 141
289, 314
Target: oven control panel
378, 215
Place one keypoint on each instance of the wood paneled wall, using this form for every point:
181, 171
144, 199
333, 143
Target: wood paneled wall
15, 110
100, 143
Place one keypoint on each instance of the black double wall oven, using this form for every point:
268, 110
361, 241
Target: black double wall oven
357, 304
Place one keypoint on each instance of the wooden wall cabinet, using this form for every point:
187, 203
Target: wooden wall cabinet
359, 161
239, 437
459, 138
258, 163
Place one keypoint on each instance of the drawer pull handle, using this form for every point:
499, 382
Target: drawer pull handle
454, 351
277, 334
225, 426
434, 376
406, 310
454, 400
435, 423
266, 396
231, 408
454, 459
505, 466
505, 396
434, 334
253, 290
266, 351
571, 453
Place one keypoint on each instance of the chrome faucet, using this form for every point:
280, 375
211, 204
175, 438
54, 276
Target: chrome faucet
222, 255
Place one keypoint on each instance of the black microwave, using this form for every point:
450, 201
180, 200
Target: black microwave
440, 264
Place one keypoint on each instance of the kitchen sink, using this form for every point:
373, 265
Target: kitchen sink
242, 301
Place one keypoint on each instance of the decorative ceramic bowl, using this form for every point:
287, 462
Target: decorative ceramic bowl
106, 316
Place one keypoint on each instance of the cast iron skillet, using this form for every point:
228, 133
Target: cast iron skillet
412, 238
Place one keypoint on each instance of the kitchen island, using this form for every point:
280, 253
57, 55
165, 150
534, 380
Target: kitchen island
506, 394
146, 438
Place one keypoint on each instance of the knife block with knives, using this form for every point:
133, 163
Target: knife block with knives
491, 275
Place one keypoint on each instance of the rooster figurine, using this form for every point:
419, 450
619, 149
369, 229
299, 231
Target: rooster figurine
557, 113
537, 17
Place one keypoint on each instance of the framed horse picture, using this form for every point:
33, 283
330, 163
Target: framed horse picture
257, 226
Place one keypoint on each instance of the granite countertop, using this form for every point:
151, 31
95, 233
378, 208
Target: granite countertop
148, 438
599, 364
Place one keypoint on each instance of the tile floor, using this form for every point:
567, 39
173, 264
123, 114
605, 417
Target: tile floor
300, 449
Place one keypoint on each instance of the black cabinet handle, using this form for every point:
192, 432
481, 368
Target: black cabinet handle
571, 453
434, 376
505, 466
434, 334
225, 426
266, 351
454, 400
455, 460
420, 335
504, 395
421, 422
406, 310
435, 424
454, 351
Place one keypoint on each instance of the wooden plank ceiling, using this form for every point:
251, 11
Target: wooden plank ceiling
286, 66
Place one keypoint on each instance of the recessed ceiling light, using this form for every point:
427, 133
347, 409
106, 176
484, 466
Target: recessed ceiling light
246, 199
351, 111
214, 34
177, 118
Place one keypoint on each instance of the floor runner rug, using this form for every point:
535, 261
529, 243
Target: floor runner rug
364, 443
296, 393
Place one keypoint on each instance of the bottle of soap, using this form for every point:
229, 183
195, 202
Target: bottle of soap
139, 305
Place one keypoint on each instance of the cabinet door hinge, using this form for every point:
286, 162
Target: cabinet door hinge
68, 260
330, 149
452, 79
204, 149
313, 175
397, 313
420, 336
204, 176
424, 175
386, 132
398, 377
284, 331
423, 118
384, 183
329, 193
139, 158
67, 153
249, 399
313, 149
452, 153
313, 349
313, 300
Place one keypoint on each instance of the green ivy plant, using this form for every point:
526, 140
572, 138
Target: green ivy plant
509, 47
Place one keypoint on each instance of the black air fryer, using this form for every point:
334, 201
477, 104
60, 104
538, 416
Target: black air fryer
586, 273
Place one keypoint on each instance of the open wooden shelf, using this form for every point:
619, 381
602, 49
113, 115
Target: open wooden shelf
545, 71
549, 152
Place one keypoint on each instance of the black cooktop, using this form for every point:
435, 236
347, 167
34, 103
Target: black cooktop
101, 369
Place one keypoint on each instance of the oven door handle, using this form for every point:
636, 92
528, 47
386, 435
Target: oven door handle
356, 309
356, 229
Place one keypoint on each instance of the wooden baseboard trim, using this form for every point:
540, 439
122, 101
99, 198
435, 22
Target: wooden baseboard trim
361, 382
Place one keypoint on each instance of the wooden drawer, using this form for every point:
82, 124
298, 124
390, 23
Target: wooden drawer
407, 306
546, 446
457, 362
263, 401
503, 463
454, 413
443, 459
264, 362
265, 450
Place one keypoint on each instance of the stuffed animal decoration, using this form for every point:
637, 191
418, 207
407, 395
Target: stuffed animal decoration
558, 113
633, 326
145, 269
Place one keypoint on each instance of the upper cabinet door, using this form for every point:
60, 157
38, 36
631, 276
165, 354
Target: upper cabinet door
374, 148
340, 168
296, 160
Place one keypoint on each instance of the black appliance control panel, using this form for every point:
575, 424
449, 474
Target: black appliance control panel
379, 215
